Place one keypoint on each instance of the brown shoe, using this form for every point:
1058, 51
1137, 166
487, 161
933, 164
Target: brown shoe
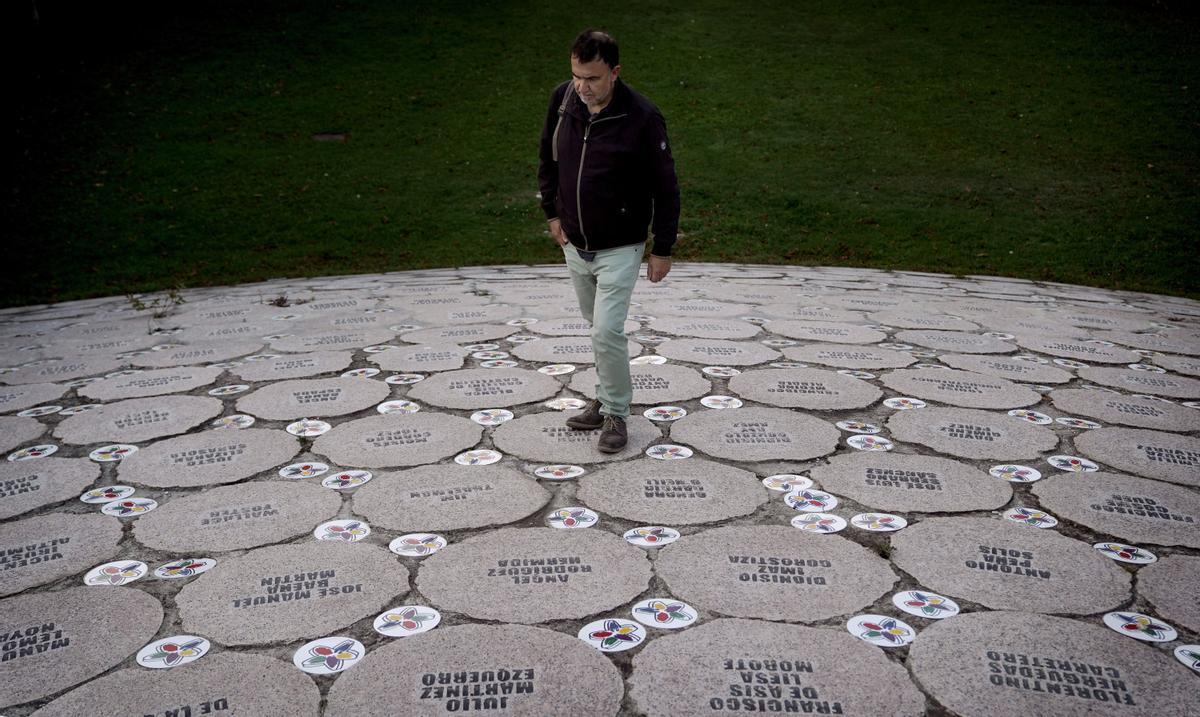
613, 436
589, 420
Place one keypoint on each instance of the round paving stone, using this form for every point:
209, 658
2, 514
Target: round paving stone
829, 331
1174, 342
1171, 585
545, 438
1077, 350
924, 484
792, 310
408, 359
673, 492
1018, 663
694, 308
927, 319
808, 388
26, 485
1187, 365
17, 398
494, 669
729, 329
757, 434
652, 384
774, 573
1128, 410
398, 440
326, 340
1134, 509
312, 398
53, 640
956, 341
237, 516
138, 419
208, 458
732, 665
208, 352
485, 388
1164, 456
16, 431
449, 497
1001, 565
290, 366
961, 388
970, 433
62, 370
532, 575
567, 349
572, 327
471, 334
1007, 367
291, 592
849, 356
717, 352
226, 682
1156, 384
35, 551
150, 383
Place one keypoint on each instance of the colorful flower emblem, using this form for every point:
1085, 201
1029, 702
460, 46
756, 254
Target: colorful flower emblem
881, 630
1074, 464
571, 518
33, 452
302, 470
924, 604
616, 634
404, 379
335, 656
811, 501
107, 494
1068, 363
819, 523
347, 531
487, 355
184, 568
1139, 626
398, 406
1189, 656
663, 613
229, 390
870, 443
854, 426
308, 428
361, 373
904, 403
409, 619
1015, 473
129, 507
664, 413
879, 522
417, 544
651, 535
237, 420
1031, 516
1076, 422
117, 573
492, 416
39, 411
786, 482
565, 404
482, 457
865, 375
1126, 553
669, 452
498, 363
481, 347
558, 472
173, 651
115, 452
721, 402
346, 480
1033, 417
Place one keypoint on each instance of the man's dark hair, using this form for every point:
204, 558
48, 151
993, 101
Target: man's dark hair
592, 42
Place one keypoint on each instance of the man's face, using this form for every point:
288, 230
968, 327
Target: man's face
594, 80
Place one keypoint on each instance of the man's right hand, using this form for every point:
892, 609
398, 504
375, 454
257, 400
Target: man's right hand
556, 232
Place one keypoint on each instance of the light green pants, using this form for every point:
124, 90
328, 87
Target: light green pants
604, 287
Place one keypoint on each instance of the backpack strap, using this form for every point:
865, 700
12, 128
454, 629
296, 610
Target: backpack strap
562, 110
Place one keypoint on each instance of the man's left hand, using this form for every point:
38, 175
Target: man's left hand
657, 268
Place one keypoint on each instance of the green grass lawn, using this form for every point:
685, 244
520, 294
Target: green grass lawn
162, 145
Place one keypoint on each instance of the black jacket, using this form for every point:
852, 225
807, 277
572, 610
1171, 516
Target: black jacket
609, 174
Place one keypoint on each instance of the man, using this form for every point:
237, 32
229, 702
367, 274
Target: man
605, 171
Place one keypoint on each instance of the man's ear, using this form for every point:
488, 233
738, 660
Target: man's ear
616, 71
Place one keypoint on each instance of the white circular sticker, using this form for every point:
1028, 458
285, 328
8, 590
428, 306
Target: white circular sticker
417, 545
39, 411
296, 471
345, 531
79, 409
328, 655
819, 522
361, 373
1068, 363
1031, 516
810, 500
107, 494
111, 453
786, 482
787, 364
612, 635
721, 402
404, 379
307, 428
778, 343
881, 630
407, 620
664, 414
498, 363
1189, 656
129, 507
173, 651
878, 522
557, 369
565, 404
856, 426
377, 349
481, 347
236, 420
1126, 553
479, 457
1140, 627
1033, 417
345, 480
184, 568
669, 452
229, 390
648, 360
558, 472
490, 355
721, 371
925, 604
864, 375
870, 443
119, 572
33, 452
651, 536
572, 518
1073, 422
1015, 473
904, 403
492, 416
1073, 464
664, 613
399, 405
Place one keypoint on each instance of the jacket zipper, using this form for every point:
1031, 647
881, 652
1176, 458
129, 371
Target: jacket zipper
579, 177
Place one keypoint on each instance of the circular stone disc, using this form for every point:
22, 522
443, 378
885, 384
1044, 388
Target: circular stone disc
27, 485
506, 669
961, 388
409, 359
207, 352
970, 433
757, 434
72, 635
792, 310
717, 352
751, 666
236, 517
289, 592
1155, 384
567, 349
238, 682
956, 341
1187, 365
325, 340
546, 438
1007, 367
313, 398
1171, 585
472, 334
63, 370
1017, 663
921, 319
901, 482
449, 497
397, 440
1128, 410
35, 551
809, 388
572, 327
1165, 456
1135, 509
1174, 342
531, 575
138, 419
484, 388
849, 356
1004, 565
17, 398
291, 366
1077, 350
150, 383
826, 331
706, 309
17, 430
728, 329
652, 385
208, 458
672, 492
774, 573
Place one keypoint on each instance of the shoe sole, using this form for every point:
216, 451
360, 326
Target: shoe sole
606, 449
584, 426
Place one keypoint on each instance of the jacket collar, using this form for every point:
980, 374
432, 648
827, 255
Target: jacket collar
621, 102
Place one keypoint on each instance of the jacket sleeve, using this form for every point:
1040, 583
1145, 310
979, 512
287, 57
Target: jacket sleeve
664, 186
547, 167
